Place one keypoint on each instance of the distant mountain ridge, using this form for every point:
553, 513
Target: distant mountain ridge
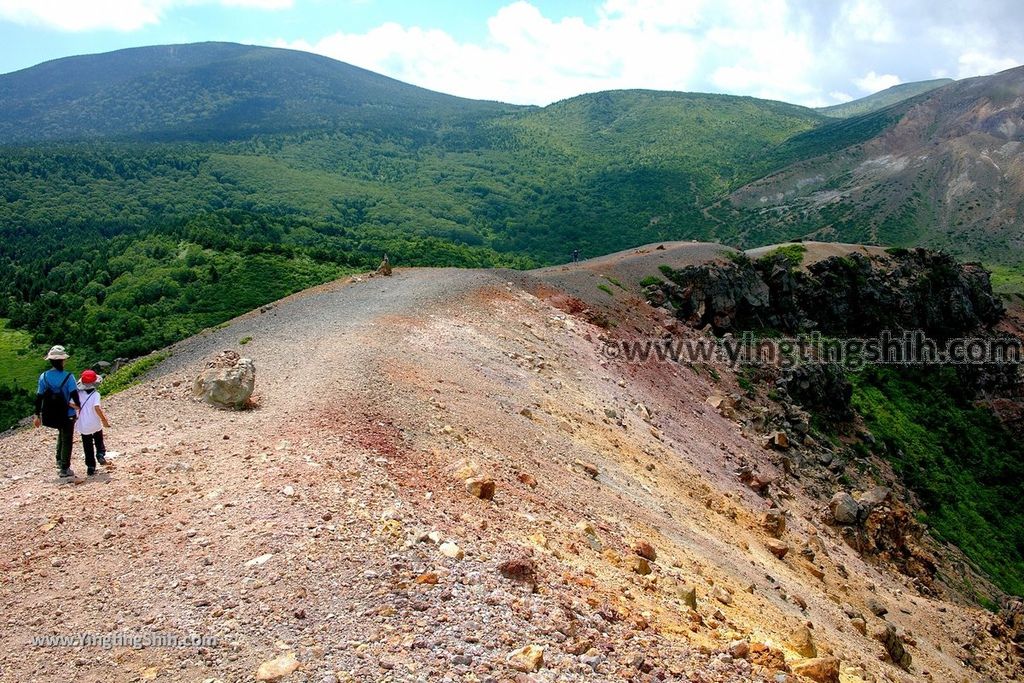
944, 169
882, 98
210, 91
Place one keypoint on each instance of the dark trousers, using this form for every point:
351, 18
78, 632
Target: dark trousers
65, 442
93, 444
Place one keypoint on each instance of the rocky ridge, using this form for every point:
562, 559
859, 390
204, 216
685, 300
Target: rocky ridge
445, 477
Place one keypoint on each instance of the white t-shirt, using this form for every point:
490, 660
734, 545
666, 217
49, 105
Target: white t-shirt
88, 420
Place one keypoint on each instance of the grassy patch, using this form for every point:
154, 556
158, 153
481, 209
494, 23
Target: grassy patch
131, 374
792, 253
20, 362
650, 281
606, 289
614, 281
1006, 280
244, 340
958, 458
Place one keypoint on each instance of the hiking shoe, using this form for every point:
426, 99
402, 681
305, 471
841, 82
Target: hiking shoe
67, 474
91, 471
101, 459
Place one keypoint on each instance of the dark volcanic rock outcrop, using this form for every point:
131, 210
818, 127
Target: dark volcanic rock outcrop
912, 289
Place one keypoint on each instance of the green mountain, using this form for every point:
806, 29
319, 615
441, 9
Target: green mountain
214, 91
152, 192
882, 98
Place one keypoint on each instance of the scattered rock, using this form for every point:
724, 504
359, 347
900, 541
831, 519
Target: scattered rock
820, 669
777, 547
875, 606
645, 550
774, 522
887, 636
276, 669
722, 595
527, 659
588, 468
802, 642
845, 510
778, 440
521, 569
638, 565
481, 487
465, 469
687, 594
860, 625
257, 561
528, 479
879, 495
739, 649
449, 549
227, 382
589, 535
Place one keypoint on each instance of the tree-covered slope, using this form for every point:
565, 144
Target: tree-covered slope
164, 163
188, 156
215, 91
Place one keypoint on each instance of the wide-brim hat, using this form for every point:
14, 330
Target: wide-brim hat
89, 380
57, 353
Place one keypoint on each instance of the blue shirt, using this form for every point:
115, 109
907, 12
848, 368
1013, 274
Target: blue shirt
53, 378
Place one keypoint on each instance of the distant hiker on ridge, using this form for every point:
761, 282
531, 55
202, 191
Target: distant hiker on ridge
56, 403
575, 255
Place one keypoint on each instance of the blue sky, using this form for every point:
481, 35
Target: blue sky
812, 52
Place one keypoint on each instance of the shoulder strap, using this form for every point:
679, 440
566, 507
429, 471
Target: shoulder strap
87, 399
46, 382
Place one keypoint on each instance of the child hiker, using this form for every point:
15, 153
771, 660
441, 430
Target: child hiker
91, 421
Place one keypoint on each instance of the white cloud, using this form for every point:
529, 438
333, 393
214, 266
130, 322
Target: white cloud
799, 51
793, 50
872, 82
119, 15
528, 58
867, 21
972, 63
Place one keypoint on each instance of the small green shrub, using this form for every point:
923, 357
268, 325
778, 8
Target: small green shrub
650, 281
131, 374
606, 289
615, 282
244, 340
793, 254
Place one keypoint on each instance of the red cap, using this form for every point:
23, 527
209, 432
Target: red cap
89, 377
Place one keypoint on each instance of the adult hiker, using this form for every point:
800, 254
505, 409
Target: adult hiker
56, 405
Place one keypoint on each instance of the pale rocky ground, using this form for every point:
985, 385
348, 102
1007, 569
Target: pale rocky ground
314, 524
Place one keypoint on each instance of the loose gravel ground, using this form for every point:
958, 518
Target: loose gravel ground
321, 523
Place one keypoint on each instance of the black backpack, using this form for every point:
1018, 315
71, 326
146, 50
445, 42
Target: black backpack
54, 411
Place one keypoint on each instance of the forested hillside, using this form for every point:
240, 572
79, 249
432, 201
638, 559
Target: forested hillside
120, 247
152, 192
